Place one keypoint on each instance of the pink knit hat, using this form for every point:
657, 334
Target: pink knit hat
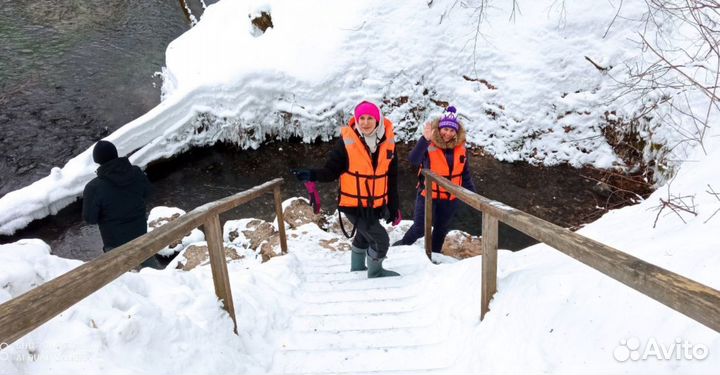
367, 108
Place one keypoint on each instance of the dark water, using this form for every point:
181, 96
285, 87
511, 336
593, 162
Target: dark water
72, 72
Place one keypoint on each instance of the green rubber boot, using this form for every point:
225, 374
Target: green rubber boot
375, 269
357, 260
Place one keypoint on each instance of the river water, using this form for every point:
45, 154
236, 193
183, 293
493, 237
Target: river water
73, 72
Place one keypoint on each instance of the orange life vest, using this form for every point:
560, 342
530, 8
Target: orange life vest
439, 165
362, 185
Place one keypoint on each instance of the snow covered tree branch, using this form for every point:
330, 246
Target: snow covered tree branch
681, 65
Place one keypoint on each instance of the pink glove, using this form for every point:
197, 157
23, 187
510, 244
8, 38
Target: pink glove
398, 219
314, 196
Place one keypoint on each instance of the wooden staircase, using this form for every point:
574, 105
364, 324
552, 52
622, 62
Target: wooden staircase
348, 323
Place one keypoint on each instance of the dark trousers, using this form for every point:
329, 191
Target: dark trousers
151, 262
370, 234
443, 212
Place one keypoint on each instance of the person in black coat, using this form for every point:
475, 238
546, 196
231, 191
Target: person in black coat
115, 199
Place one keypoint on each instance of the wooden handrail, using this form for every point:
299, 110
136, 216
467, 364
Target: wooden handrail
696, 300
28, 311
428, 217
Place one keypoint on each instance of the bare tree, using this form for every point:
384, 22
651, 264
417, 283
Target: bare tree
673, 85
717, 196
676, 204
664, 84
680, 39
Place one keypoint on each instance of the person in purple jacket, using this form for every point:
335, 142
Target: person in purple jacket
442, 150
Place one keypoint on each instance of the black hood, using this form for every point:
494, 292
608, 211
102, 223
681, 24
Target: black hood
119, 172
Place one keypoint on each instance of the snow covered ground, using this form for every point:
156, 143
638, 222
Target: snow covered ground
304, 312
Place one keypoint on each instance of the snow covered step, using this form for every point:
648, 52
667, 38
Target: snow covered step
392, 252
335, 276
362, 295
399, 358
358, 322
345, 259
344, 274
344, 307
362, 283
369, 339
323, 268
345, 256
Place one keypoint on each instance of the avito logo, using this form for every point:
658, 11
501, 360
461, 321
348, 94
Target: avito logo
632, 349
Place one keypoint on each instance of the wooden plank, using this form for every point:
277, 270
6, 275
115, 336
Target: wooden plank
680, 293
428, 216
489, 262
280, 218
216, 250
30, 310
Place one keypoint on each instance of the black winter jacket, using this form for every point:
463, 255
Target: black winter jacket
337, 163
115, 200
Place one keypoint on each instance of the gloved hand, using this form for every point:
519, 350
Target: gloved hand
397, 219
394, 218
302, 174
314, 196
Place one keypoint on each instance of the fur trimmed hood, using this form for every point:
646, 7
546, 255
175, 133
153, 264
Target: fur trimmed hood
437, 139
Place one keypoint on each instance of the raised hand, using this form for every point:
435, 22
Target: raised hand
428, 131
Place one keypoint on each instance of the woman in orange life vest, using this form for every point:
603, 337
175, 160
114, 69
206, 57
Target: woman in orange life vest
441, 149
364, 161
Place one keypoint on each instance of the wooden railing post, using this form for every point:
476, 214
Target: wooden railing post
489, 261
280, 218
428, 216
216, 250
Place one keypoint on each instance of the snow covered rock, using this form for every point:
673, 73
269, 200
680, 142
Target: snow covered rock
462, 245
254, 234
162, 215
197, 255
297, 212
